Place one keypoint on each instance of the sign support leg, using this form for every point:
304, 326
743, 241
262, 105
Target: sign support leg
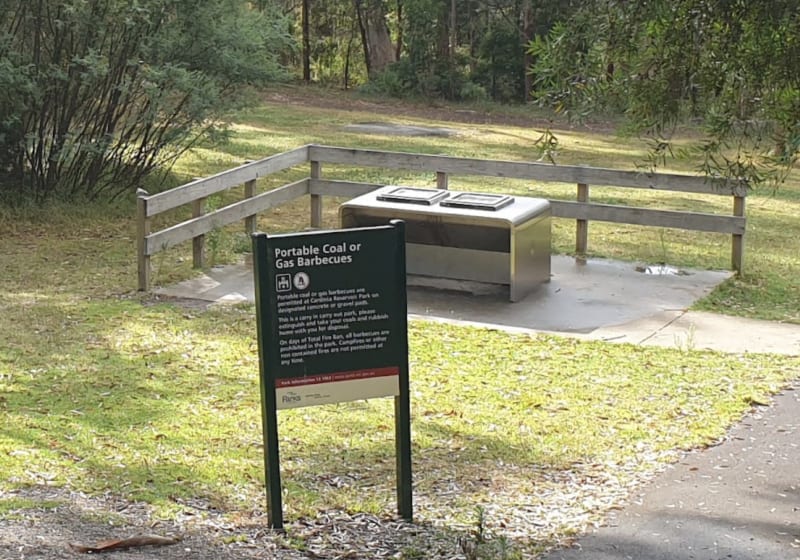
402, 420
269, 405
402, 402
272, 471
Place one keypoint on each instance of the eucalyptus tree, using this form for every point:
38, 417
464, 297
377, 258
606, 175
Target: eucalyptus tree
731, 65
379, 51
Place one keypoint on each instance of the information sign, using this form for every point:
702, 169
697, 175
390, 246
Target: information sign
332, 327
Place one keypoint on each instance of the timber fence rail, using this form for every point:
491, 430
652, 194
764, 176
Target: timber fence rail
581, 210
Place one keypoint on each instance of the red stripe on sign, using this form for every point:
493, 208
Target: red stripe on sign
339, 376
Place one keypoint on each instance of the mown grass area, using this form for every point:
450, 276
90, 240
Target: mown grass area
106, 390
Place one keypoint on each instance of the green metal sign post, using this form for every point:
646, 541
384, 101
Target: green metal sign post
331, 311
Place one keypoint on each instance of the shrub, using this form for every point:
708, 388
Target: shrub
100, 93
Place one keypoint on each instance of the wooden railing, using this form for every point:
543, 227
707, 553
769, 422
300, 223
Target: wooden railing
582, 210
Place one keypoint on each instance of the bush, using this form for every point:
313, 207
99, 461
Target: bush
392, 82
499, 67
97, 94
471, 91
445, 80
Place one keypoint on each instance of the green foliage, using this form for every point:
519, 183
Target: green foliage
471, 91
434, 63
499, 68
445, 48
428, 69
98, 94
396, 81
444, 80
482, 545
423, 29
733, 64
335, 49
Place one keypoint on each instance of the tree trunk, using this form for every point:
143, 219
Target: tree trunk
398, 50
378, 49
527, 29
453, 35
347, 55
306, 41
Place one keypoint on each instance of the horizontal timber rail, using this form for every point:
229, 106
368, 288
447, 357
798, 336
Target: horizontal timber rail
581, 210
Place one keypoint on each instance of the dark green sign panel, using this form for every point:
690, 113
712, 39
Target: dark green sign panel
335, 311
332, 327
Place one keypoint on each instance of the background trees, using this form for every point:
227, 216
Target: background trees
454, 49
731, 66
96, 94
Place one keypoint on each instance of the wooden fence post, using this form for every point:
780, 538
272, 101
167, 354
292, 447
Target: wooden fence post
737, 241
250, 222
316, 199
441, 180
142, 231
199, 242
582, 226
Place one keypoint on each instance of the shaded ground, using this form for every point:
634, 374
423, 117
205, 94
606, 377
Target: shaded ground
427, 110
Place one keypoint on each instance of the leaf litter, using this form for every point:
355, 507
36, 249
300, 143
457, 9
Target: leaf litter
529, 509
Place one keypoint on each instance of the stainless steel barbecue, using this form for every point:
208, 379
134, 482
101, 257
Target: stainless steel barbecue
475, 237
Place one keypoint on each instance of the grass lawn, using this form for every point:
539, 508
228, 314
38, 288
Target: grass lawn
106, 390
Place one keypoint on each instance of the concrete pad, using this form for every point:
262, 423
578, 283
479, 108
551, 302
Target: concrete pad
395, 129
695, 330
583, 296
220, 284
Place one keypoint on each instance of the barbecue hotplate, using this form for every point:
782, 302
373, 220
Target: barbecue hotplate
478, 201
411, 195
430, 197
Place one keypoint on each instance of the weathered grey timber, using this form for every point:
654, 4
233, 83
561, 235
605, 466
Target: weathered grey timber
581, 210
